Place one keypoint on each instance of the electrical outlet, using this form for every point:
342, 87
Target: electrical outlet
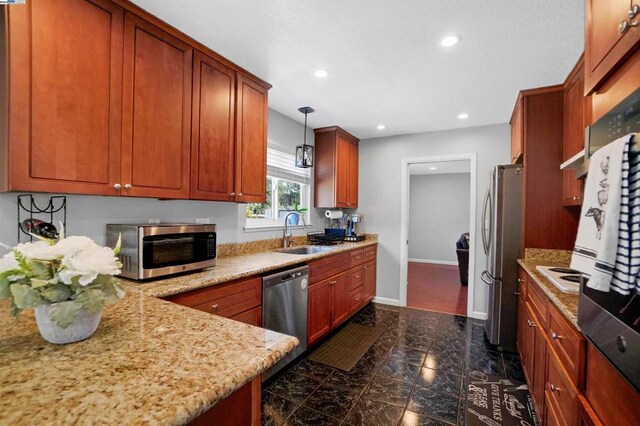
203, 221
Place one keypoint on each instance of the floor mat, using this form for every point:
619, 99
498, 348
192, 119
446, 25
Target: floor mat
346, 348
497, 401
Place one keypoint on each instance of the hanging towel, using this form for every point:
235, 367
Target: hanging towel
626, 274
596, 245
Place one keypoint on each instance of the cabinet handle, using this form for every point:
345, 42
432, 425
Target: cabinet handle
214, 307
626, 24
517, 293
553, 388
128, 186
117, 187
233, 194
332, 282
531, 323
239, 194
555, 336
634, 11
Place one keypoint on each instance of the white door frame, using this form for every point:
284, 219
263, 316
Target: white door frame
404, 222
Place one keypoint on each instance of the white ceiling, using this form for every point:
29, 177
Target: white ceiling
442, 167
385, 61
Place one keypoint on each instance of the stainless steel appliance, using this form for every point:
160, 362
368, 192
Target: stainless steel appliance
284, 309
610, 320
501, 235
152, 251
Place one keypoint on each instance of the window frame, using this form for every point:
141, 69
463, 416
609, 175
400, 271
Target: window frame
278, 223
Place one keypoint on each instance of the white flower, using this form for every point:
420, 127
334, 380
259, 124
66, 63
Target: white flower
8, 263
88, 264
39, 250
71, 245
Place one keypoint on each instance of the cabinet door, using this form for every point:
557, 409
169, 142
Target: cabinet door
369, 280
156, 112
522, 327
517, 130
319, 311
212, 130
343, 153
529, 344
251, 142
573, 141
539, 366
65, 62
605, 46
340, 298
251, 317
352, 201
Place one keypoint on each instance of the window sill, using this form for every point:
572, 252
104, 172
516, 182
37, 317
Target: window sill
265, 228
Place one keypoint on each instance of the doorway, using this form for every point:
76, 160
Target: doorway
437, 227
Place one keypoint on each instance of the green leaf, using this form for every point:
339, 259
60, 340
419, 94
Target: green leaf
25, 297
15, 311
64, 313
41, 269
37, 283
91, 299
5, 293
56, 293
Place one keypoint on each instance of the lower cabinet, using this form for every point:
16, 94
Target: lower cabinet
240, 301
339, 286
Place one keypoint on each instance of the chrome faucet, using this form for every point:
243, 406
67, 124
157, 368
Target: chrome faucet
287, 231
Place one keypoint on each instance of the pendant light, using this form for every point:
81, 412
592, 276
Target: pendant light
304, 152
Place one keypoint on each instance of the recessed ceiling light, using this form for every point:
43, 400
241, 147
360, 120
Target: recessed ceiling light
381, 127
433, 168
451, 40
463, 116
321, 73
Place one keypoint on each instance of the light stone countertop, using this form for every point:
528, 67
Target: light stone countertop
149, 362
233, 268
567, 303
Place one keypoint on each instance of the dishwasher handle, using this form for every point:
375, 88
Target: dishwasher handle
285, 276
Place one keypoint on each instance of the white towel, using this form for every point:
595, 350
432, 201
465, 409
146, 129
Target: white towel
597, 241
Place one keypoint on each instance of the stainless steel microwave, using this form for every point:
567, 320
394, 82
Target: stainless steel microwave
152, 251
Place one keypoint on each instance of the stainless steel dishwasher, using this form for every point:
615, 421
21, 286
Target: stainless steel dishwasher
284, 309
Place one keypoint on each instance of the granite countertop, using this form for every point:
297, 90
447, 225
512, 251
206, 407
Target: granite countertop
149, 362
236, 267
567, 303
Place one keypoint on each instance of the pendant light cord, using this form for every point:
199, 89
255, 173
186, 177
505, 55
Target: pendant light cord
304, 143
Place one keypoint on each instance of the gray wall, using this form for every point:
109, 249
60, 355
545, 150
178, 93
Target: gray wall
379, 199
88, 215
438, 214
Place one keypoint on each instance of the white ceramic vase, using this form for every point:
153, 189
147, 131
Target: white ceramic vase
83, 327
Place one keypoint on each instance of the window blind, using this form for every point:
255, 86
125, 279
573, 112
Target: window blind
282, 165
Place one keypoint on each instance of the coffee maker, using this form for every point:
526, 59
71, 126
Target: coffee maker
352, 223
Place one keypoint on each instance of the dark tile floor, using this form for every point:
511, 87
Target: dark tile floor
413, 375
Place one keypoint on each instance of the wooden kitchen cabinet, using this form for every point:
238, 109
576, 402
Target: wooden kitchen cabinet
335, 168
575, 109
212, 130
251, 142
64, 84
369, 281
607, 45
516, 131
319, 310
535, 364
522, 310
340, 299
156, 110
562, 393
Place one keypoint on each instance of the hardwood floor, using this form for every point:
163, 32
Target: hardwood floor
436, 288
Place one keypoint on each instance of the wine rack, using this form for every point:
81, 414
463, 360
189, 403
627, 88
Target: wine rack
29, 209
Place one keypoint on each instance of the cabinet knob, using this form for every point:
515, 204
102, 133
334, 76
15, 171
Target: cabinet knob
625, 25
214, 307
634, 11
553, 388
531, 323
517, 293
555, 336
332, 282
117, 187
128, 186
233, 194
239, 194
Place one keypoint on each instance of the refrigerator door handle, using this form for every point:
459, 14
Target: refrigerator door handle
485, 237
487, 278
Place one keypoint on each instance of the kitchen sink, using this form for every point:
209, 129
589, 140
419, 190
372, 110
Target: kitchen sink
305, 250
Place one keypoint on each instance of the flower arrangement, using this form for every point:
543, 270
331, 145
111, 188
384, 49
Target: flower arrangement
67, 276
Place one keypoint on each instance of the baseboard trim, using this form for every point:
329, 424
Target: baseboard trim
385, 301
479, 315
436, 262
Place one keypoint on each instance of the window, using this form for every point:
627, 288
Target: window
288, 187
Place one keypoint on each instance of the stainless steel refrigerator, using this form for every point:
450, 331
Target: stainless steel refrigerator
501, 234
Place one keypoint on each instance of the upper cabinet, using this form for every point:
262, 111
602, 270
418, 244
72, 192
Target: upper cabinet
335, 168
101, 98
612, 35
64, 96
156, 112
516, 132
575, 121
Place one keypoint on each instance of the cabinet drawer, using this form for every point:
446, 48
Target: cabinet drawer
538, 303
551, 417
357, 258
568, 345
370, 253
563, 395
522, 283
322, 269
355, 299
251, 317
355, 278
226, 300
